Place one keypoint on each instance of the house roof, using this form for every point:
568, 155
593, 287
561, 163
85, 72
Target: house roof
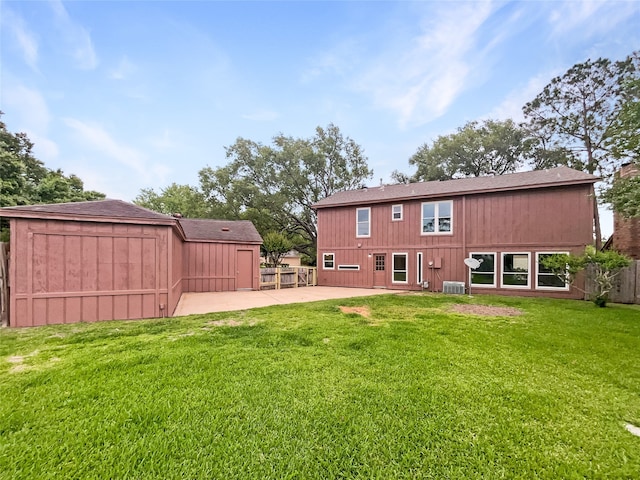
98, 209
553, 177
119, 211
220, 230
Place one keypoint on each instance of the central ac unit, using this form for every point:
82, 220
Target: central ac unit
453, 287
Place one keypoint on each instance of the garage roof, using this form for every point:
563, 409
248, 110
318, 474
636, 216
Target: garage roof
241, 231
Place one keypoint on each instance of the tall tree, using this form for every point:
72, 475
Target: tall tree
490, 147
577, 110
276, 185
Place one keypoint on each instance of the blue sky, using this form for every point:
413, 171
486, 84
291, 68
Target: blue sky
130, 95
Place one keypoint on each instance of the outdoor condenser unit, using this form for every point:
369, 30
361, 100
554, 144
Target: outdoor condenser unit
453, 287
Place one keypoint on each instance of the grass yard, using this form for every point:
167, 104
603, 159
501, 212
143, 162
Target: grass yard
412, 389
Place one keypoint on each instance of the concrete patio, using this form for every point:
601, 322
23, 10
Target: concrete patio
192, 303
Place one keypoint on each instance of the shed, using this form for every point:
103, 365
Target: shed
109, 259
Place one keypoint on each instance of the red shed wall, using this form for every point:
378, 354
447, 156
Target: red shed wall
66, 271
213, 267
528, 221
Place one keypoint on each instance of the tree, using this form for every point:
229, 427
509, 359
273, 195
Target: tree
276, 185
490, 147
577, 110
275, 246
604, 265
183, 199
24, 180
624, 196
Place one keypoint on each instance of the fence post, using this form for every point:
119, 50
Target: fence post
4, 284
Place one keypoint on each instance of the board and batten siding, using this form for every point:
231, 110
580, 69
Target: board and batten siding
213, 267
531, 220
85, 271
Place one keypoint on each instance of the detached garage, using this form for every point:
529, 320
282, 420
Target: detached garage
112, 260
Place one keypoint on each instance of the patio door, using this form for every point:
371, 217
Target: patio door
379, 270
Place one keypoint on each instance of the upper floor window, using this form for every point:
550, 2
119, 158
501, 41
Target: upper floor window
363, 222
396, 212
437, 217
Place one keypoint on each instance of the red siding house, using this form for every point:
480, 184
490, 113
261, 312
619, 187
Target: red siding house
417, 236
111, 260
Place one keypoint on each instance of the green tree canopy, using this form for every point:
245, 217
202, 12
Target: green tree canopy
576, 111
183, 199
275, 246
490, 147
276, 185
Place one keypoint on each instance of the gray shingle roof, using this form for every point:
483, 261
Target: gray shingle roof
552, 177
242, 231
220, 230
98, 208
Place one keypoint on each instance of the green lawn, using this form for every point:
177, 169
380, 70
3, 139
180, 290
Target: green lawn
307, 391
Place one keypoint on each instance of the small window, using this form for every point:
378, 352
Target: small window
396, 212
363, 222
485, 274
399, 268
437, 217
545, 278
419, 268
515, 270
348, 267
379, 263
328, 261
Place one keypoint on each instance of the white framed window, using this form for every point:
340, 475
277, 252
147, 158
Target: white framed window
400, 268
419, 268
348, 267
363, 222
328, 261
515, 270
437, 217
485, 274
396, 213
545, 278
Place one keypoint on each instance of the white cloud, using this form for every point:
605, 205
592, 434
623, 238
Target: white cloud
30, 114
420, 84
124, 69
76, 37
25, 40
589, 17
262, 116
99, 140
511, 106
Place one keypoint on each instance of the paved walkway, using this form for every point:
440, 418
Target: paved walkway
191, 303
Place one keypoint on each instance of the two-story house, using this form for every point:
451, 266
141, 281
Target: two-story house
417, 236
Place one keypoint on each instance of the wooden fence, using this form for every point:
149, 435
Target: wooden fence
287, 277
4, 284
626, 285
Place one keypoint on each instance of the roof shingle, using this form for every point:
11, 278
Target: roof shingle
552, 177
220, 230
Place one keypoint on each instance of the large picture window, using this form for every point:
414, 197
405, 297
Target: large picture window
515, 270
363, 222
485, 274
399, 268
545, 278
328, 261
437, 217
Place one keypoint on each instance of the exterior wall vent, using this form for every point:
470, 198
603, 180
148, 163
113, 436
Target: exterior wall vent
453, 287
